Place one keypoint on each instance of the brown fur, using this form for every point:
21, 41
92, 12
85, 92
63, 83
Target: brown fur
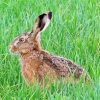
36, 63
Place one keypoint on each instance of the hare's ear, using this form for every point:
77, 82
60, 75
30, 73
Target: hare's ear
41, 23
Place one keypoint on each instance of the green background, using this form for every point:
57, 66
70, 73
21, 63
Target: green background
74, 33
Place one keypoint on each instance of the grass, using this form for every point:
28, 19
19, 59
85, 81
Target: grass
74, 33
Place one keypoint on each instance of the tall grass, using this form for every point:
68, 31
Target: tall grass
74, 33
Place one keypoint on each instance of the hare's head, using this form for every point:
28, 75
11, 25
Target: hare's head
30, 40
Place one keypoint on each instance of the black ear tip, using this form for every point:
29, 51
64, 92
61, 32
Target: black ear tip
41, 16
50, 15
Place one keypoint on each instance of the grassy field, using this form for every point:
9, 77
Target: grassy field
74, 33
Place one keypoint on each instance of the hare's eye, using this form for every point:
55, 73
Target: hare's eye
21, 40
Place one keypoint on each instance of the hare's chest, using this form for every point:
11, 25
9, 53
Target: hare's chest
29, 69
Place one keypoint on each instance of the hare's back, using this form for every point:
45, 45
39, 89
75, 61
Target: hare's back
62, 66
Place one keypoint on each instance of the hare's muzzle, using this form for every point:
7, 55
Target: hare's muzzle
49, 15
12, 48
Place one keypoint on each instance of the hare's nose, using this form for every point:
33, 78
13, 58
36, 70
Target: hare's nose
49, 15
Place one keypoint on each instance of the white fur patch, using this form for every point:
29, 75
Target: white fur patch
46, 20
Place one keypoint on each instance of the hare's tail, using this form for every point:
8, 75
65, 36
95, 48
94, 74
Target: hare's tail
83, 75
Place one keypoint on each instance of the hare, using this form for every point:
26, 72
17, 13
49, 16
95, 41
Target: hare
36, 63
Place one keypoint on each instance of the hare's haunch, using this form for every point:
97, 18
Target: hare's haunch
36, 64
